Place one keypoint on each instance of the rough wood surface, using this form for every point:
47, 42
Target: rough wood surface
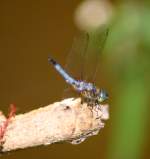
67, 120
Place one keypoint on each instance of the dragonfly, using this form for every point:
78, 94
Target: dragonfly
89, 92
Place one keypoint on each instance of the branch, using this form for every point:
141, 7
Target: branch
67, 120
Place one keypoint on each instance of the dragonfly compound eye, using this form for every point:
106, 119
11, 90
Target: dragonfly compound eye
103, 95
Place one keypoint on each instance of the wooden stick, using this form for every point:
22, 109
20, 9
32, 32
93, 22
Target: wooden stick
67, 120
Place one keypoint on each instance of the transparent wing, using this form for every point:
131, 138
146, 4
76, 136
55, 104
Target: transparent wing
83, 59
75, 61
94, 51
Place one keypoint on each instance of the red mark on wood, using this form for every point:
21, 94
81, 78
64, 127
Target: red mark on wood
5, 124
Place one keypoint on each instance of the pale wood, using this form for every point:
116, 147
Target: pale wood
67, 120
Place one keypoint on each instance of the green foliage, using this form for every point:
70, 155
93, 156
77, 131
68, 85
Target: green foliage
127, 56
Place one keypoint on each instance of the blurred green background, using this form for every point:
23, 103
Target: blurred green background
30, 30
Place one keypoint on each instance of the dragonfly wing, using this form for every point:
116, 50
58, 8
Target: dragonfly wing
84, 57
92, 60
75, 60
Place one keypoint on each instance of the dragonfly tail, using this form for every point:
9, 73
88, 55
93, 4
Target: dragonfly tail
62, 72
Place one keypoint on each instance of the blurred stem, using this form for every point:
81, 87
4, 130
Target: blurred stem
129, 123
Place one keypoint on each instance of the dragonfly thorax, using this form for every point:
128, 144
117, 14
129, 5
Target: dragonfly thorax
84, 86
90, 92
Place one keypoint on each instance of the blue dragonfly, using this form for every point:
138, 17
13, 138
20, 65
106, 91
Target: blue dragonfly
89, 92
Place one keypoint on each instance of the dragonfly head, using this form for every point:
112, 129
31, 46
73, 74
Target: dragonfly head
103, 95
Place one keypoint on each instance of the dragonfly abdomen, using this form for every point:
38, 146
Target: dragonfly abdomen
62, 72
